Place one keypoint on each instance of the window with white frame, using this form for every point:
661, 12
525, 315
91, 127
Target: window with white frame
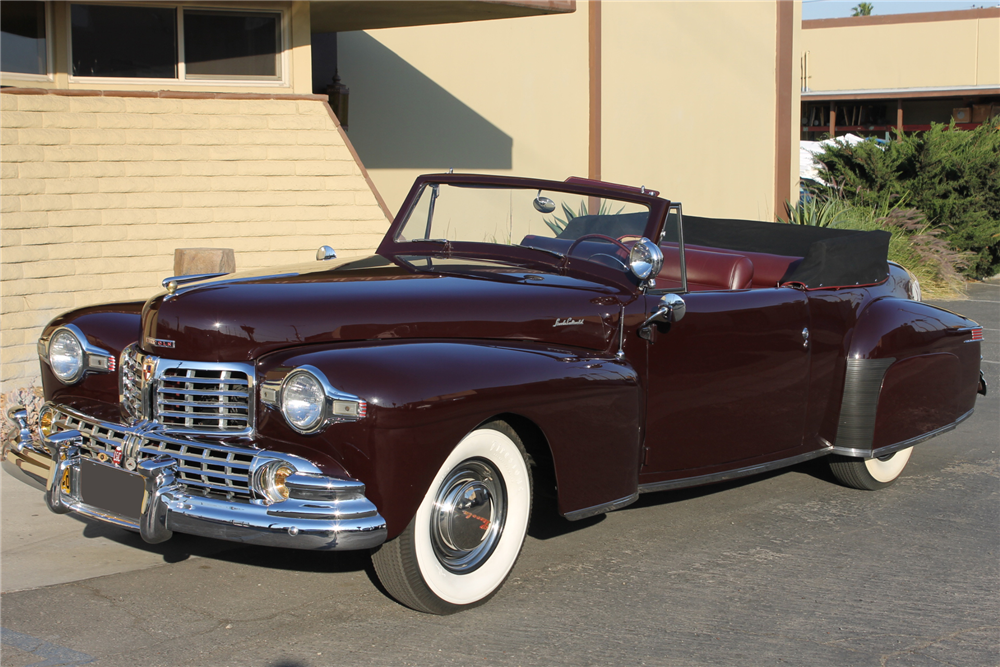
185, 43
24, 44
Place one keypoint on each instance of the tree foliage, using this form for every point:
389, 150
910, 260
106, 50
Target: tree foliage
951, 176
863, 9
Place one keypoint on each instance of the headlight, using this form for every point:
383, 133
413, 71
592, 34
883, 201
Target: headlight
303, 401
645, 259
66, 356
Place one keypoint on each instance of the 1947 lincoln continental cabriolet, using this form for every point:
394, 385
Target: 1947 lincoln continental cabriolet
508, 333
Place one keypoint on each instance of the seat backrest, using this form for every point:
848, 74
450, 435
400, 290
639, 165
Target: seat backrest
707, 270
769, 270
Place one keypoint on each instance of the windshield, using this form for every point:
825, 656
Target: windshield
543, 219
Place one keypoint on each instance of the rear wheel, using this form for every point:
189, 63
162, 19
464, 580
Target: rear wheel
468, 531
870, 474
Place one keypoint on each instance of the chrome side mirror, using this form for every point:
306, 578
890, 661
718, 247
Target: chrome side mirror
325, 252
672, 309
543, 204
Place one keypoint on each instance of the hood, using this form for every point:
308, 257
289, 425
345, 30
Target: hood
241, 317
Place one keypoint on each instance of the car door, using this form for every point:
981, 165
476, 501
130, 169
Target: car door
727, 384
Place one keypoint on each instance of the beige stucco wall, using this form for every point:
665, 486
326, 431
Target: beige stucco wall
690, 103
504, 97
297, 58
904, 55
97, 192
688, 100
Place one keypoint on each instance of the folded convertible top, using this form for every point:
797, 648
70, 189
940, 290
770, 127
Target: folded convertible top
831, 257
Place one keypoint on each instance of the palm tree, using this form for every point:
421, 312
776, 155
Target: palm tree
863, 9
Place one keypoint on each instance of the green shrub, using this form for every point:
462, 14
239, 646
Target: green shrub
952, 176
915, 244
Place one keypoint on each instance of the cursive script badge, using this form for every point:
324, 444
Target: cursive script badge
567, 322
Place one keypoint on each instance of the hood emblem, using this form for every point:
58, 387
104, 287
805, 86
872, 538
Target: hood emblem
148, 369
160, 342
569, 321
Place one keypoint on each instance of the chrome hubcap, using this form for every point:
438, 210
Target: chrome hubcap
469, 513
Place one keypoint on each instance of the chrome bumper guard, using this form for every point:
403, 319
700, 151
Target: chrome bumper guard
321, 513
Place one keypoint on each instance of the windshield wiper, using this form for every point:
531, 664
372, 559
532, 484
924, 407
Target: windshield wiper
531, 247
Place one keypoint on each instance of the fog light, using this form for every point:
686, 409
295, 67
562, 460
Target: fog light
270, 481
46, 418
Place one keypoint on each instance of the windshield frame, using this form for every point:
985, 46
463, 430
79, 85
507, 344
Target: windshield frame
518, 254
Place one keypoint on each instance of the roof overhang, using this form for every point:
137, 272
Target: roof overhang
899, 93
345, 15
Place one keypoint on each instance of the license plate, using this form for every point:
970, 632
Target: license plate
112, 489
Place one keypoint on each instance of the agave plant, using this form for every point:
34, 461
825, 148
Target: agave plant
558, 225
816, 211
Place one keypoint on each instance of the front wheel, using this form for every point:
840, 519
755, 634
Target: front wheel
870, 474
468, 530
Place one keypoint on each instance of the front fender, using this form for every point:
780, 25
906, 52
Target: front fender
912, 370
111, 327
425, 396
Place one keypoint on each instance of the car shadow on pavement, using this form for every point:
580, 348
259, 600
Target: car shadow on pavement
179, 548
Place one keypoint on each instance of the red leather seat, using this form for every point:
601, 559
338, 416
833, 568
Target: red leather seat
707, 270
769, 270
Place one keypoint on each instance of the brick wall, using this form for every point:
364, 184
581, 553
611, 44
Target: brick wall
98, 189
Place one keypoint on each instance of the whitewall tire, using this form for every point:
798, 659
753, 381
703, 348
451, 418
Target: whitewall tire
468, 531
870, 474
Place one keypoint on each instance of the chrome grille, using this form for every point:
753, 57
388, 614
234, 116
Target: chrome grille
199, 399
187, 396
130, 382
213, 469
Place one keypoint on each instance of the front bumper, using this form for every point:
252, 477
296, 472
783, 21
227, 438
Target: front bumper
322, 513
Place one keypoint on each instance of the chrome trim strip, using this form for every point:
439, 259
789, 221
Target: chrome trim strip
726, 475
180, 280
862, 386
603, 508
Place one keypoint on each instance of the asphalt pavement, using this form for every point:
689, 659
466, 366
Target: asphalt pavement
788, 568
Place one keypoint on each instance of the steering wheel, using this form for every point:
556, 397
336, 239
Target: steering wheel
597, 236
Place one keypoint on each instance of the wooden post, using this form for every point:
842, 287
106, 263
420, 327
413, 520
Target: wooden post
899, 119
833, 119
191, 261
594, 143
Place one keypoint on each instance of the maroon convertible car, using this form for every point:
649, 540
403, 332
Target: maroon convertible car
509, 333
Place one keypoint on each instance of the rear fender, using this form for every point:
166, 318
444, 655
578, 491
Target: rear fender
912, 373
424, 396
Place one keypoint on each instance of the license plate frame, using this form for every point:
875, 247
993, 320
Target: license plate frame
111, 489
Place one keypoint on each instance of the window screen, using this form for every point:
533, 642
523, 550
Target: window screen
223, 44
120, 41
22, 44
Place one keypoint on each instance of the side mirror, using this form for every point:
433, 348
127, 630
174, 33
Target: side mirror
671, 309
325, 252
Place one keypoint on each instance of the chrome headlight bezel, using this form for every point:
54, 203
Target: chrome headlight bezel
294, 388
92, 359
337, 406
71, 361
